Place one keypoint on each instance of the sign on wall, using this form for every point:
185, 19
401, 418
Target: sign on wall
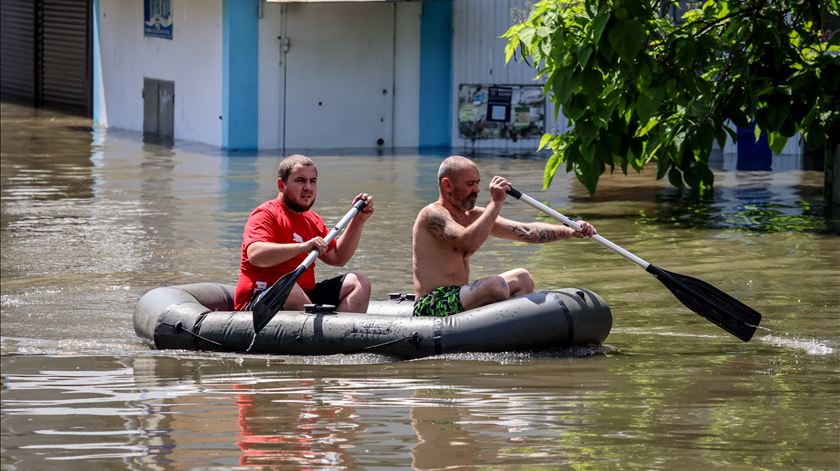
501, 111
157, 18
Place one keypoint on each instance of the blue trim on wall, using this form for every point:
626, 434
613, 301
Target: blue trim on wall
436, 74
240, 74
97, 68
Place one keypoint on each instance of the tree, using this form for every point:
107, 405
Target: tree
638, 84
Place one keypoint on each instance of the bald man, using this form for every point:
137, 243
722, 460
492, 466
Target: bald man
449, 231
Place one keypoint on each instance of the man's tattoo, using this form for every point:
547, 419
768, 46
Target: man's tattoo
437, 225
523, 234
474, 285
536, 236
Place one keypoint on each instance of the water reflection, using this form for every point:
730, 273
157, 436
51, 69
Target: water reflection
157, 412
92, 220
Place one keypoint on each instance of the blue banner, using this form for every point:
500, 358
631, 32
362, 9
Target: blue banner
157, 18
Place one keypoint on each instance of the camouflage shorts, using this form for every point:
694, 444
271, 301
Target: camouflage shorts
440, 302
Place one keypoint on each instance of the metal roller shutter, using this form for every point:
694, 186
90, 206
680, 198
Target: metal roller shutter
64, 71
17, 49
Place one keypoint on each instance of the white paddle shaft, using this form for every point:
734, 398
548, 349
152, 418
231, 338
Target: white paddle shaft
339, 226
597, 238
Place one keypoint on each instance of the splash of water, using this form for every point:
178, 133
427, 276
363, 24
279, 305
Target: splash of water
809, 346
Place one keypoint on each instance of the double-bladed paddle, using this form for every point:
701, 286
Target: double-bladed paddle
718, 307
273, 299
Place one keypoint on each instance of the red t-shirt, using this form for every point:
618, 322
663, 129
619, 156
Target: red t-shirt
273, 222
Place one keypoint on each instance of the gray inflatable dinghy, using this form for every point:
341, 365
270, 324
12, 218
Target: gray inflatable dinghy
201, 317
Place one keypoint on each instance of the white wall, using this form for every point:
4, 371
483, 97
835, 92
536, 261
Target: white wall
407, 89
192, 59
271, 77
478, 57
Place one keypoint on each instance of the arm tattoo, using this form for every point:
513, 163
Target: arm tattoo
520, 232
534, 235
437, 226
546, 235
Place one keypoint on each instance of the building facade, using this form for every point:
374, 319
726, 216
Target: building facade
255, 74
287, 74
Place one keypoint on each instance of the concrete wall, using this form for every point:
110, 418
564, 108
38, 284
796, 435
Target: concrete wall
192, 59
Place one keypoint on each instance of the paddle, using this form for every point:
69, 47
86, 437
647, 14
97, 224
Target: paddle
273, 299
723, 310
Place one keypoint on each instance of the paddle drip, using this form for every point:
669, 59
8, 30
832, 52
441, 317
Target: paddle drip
253, 340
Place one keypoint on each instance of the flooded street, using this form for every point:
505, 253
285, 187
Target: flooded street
92, 220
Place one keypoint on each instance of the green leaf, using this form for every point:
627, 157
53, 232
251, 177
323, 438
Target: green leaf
675, 178
705, 137
598, 25
647, 127
526, 35
690, 176
510, 49
563, 87
685, 53
706, 175
733, 134
626, 38
546, 138
662, 166
592, 82
587, 150
551, 168
588, 175
583, 54
776, 141
720, 136
776, 115
648, 103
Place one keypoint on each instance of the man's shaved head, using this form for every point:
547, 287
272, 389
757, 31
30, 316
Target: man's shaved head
452, 165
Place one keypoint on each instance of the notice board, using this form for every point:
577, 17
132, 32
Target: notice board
501, 111
157, 18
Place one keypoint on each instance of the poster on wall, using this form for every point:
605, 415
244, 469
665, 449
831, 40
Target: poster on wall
157, 18
501, 111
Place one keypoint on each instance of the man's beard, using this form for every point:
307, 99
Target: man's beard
295, 206
468, 202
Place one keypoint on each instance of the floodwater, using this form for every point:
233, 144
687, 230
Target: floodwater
91, 220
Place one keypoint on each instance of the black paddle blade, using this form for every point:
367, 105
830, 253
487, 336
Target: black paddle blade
274, 298
718, 307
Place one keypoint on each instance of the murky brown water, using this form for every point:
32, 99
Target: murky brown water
91, 221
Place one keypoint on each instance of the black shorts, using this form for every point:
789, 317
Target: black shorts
327, 291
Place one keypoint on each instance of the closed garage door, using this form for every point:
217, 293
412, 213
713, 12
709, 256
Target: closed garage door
46, 53
17, 50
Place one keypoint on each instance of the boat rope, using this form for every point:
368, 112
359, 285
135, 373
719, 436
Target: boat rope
414, 338
178, 326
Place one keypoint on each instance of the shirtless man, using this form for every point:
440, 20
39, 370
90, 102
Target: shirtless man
447, 232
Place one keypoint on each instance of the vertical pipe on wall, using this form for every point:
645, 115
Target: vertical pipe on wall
435, 74
393, 74
100, 114
284, 58
240, 73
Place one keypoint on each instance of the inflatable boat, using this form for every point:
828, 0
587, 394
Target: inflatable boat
201, 317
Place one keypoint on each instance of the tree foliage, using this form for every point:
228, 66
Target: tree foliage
638, 84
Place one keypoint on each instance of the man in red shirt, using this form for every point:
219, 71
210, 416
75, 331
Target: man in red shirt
281, 232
